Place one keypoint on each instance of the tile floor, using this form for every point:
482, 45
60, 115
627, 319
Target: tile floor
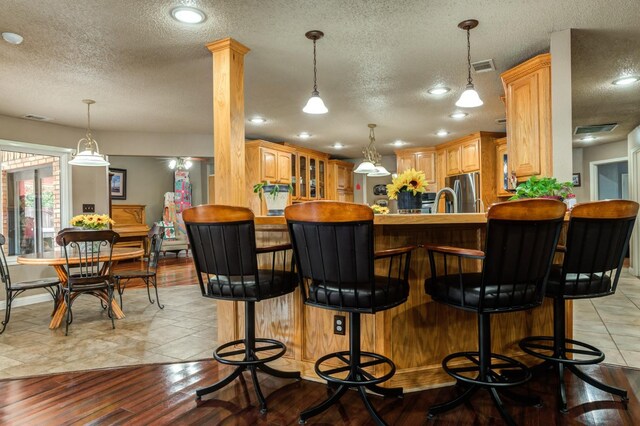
186, 329
612, 323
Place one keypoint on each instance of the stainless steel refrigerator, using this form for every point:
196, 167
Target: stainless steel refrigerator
467, 189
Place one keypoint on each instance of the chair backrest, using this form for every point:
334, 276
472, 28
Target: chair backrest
333, 247
4, 267
155, 236
223, 242
90, 253
597, 243
520, 243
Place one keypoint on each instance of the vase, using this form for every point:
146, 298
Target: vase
276, 203
409, 203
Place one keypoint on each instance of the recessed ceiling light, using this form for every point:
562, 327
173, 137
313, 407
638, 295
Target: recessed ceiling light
398, 143
12, 38
188, 15
458, 115
625, 81
338, 145
258, 120
438, 90
588, 138
442, 133
304, 135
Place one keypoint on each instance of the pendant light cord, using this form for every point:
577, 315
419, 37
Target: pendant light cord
469, 80
315, 79
89, 121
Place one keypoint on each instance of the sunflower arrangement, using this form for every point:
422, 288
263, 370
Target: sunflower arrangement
379, 209
92, 221
410, 180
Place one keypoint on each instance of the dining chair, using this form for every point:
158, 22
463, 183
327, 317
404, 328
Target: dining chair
88, 264
148, 274
13, 290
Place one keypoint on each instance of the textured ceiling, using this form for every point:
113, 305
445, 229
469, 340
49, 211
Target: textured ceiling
597, 58
148, 72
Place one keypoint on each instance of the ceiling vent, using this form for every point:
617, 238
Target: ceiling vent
483, 66
501, 121
36, 117
595, 128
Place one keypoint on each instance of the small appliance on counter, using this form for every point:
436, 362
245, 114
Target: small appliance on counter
428, 199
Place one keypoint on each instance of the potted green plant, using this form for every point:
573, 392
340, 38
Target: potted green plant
544, 187
276, 196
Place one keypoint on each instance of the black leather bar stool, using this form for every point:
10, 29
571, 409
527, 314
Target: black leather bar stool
597, 242
333, 245
521, 237
224, 249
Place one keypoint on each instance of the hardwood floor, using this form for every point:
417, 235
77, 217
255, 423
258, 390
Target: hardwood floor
165, 394
172, 271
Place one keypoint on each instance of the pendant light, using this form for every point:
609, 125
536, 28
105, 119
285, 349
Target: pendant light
469, 98
315, 104
87, 152
371, 163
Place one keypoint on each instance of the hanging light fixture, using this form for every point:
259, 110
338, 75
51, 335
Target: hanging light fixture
87, 152
371, 163
315, 104
469, 98
180, 163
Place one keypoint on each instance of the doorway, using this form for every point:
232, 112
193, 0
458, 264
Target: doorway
609, 179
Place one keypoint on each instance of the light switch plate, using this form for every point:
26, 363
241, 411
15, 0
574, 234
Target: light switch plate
88, 208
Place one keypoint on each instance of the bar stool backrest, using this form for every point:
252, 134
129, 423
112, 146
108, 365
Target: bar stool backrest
597, 243
521, 241
224, 245
333, 246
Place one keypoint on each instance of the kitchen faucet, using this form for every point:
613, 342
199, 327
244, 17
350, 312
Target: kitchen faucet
437, 199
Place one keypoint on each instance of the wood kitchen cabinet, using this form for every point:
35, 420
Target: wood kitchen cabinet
308, 169
528, 102
340, 181
421, 159
266, 162
454, 166
470, 156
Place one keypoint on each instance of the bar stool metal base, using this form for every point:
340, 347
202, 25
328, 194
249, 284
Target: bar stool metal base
357, 377
553, 350
493, 372
250, 362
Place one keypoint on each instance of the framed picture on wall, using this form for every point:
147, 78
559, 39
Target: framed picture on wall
576, 179
118, 184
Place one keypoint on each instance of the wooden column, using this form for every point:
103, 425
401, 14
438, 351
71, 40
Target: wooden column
228, 121
228, 148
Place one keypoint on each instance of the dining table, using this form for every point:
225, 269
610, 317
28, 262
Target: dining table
56, 258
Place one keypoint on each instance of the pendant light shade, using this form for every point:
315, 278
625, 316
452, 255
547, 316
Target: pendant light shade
365, 167
87, 152
469, 98
315, 105
380, 171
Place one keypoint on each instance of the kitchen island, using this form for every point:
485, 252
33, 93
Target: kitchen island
416, 335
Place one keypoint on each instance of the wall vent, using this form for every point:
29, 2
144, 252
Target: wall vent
595, 128
483, 66
36, 117
501, 121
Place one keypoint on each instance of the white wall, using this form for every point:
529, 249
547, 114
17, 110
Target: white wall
633, 152
561, 115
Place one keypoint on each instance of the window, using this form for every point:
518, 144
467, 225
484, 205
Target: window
32, 190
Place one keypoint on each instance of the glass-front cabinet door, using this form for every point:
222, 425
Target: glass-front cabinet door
312, 178
302, 175
321, 179
294, 182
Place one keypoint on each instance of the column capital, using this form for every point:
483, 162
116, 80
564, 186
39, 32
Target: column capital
227, 44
